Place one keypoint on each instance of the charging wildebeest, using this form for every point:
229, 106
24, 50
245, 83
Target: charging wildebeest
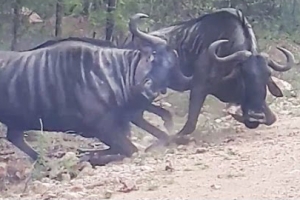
219, 50
136, 119
88, 89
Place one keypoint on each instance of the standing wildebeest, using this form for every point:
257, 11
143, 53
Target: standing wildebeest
220, 51
81, 87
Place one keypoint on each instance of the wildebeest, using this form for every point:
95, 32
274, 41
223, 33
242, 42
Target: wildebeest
77, 86
219, 50
136, 119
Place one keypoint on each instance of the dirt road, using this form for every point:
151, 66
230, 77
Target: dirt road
262, 164
257, 164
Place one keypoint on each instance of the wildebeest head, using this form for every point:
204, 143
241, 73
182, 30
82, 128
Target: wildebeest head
158, 61
255, 77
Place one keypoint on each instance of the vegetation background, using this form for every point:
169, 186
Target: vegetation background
26, 23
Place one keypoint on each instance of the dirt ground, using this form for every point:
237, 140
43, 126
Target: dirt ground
227, 161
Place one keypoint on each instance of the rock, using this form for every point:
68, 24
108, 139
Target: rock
49, 195
201, 151
166, 104
46, 180
107, 194
65, 177
218, 120
87, 171
70, 156
77, 188
293, 94
170, 151
215, 187
71, 195
182, 148
40, 188
3, 171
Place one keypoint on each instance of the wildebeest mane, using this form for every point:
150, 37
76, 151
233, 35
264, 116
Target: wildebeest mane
197, 34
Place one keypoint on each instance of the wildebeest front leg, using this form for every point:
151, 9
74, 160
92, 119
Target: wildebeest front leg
16, 137
139, 121
119, 149
165, 115
197, 98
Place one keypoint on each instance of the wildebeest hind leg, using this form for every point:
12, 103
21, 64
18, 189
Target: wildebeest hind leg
16, 137
120, 147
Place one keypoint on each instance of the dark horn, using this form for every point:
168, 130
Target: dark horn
144, 36
240, 55
282, 68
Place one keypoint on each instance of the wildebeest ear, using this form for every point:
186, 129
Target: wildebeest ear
144, 65
273, 88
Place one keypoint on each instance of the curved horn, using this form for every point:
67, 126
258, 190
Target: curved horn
135, 31
240, 55
278, 67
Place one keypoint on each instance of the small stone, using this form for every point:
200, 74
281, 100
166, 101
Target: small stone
70, 155
87, 171
201, 151
46, 180
65, 177
215, 187
49, 195
293, 94
170, 151
3, 170
40, 188
71, 195
166, 104
77, 188
107, 194
218, 121
182, 148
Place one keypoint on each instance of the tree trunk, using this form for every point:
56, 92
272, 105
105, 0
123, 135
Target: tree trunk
59, 16
16, 24
85, 7
110, 22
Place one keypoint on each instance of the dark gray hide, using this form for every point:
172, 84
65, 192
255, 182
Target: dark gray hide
240, 78
136, 119
97, 42
81, 87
